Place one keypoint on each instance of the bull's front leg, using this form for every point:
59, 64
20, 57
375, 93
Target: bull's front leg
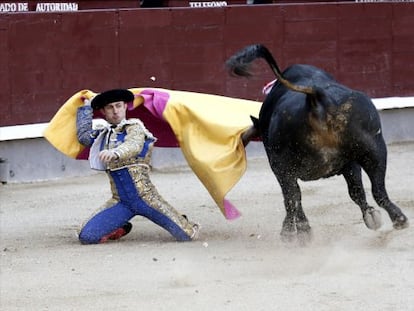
295, 221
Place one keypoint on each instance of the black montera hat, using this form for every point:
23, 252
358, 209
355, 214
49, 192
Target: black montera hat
111, 96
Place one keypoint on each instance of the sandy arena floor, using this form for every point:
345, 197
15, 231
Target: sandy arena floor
239, 265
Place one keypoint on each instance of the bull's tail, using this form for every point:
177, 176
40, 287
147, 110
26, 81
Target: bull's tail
239, 64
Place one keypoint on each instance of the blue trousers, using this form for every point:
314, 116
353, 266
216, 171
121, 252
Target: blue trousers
131, 204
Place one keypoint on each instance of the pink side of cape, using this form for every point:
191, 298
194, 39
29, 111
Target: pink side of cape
155, 101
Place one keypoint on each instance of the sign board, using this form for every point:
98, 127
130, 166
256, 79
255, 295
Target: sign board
210, 4
39, 7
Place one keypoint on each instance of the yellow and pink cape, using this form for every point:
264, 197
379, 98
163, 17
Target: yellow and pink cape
206, 127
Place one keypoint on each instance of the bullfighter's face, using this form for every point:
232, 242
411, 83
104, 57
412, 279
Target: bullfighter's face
115, 112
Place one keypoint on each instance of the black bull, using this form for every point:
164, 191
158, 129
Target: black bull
313, 127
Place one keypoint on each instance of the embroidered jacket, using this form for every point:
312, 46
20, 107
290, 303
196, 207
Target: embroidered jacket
130, 140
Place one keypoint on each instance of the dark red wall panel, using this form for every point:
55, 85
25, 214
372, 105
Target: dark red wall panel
6, 113
47, 57
89, 50
403, 49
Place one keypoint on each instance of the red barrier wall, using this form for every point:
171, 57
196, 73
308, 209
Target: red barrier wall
47, 57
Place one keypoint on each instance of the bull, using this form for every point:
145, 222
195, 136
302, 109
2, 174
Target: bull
313, 127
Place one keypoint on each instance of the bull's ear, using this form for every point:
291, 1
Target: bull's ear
255, 121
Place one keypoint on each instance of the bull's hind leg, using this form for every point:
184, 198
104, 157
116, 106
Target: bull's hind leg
375, 164
295, 220
371, 216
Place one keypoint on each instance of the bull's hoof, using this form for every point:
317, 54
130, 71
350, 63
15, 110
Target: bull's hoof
304, 233
288, 233
305, 237
401, 222
288, 236
372, 219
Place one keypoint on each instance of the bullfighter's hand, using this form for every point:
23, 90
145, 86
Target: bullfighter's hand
107, 156
86, 102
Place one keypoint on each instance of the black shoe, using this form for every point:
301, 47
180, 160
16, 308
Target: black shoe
127, 227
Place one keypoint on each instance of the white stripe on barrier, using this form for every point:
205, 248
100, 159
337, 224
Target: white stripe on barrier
393, 102
27, 131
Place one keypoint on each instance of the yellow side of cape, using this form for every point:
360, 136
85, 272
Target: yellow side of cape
208, 128
61, 131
